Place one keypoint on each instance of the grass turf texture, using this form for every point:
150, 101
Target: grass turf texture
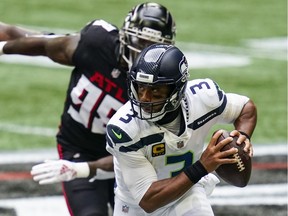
34, 96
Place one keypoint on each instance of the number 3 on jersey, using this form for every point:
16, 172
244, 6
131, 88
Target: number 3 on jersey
92, 107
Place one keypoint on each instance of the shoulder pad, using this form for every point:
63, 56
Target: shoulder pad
107, 26
118, 128
117, 134
99, 24
207, 91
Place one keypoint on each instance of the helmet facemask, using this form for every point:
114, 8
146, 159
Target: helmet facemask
154, 111
146, 24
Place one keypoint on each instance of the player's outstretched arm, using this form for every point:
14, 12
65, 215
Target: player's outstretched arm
162, 192
105, 163
11, 32
58, 48
54, 171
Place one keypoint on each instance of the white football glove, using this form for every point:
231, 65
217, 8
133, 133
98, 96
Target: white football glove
2, 44
54, 171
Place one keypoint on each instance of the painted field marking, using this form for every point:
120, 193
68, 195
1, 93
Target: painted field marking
17, 175
265, 48
26, 129
10, 176
38, 155
270, 166
202, 56
260, 194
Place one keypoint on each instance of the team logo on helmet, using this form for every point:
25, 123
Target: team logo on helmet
183, 68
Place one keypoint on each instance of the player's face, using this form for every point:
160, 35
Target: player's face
139, 44
154, 97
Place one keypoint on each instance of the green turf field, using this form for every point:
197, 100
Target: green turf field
33, 96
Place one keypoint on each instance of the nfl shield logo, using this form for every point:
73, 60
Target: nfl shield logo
125, 208
115, 73
180, 144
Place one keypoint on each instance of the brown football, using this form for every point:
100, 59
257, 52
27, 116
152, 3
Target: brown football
237, 174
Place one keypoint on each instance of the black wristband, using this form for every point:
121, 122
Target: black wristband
195, 172
243, 133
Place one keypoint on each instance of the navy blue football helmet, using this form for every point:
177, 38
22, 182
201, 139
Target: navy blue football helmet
158, 64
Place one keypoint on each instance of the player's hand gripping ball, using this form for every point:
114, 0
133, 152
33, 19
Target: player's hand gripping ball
237, 174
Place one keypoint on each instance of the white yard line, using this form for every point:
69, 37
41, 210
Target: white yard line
270, 149
38, 206
38, 155
25, 129
196, 60
260, 194
28, 156
266, 48
202, 56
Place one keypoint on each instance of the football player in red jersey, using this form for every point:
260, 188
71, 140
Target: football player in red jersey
101, 54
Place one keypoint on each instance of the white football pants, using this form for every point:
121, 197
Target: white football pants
193, 203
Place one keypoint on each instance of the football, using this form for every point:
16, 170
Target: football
237, 174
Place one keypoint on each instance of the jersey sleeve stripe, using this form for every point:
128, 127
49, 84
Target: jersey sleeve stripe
145, 141
208, 116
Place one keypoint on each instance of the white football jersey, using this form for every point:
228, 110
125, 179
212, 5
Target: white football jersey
145, 152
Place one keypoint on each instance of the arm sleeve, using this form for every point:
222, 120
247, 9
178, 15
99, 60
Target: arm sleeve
235, 104
138, 173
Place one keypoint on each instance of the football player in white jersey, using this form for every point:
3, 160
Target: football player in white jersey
157, 138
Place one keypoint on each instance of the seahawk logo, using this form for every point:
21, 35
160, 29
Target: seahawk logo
183, 65
183, 68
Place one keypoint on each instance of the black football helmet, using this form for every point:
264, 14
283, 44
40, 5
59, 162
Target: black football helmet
158, 64
145, 24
